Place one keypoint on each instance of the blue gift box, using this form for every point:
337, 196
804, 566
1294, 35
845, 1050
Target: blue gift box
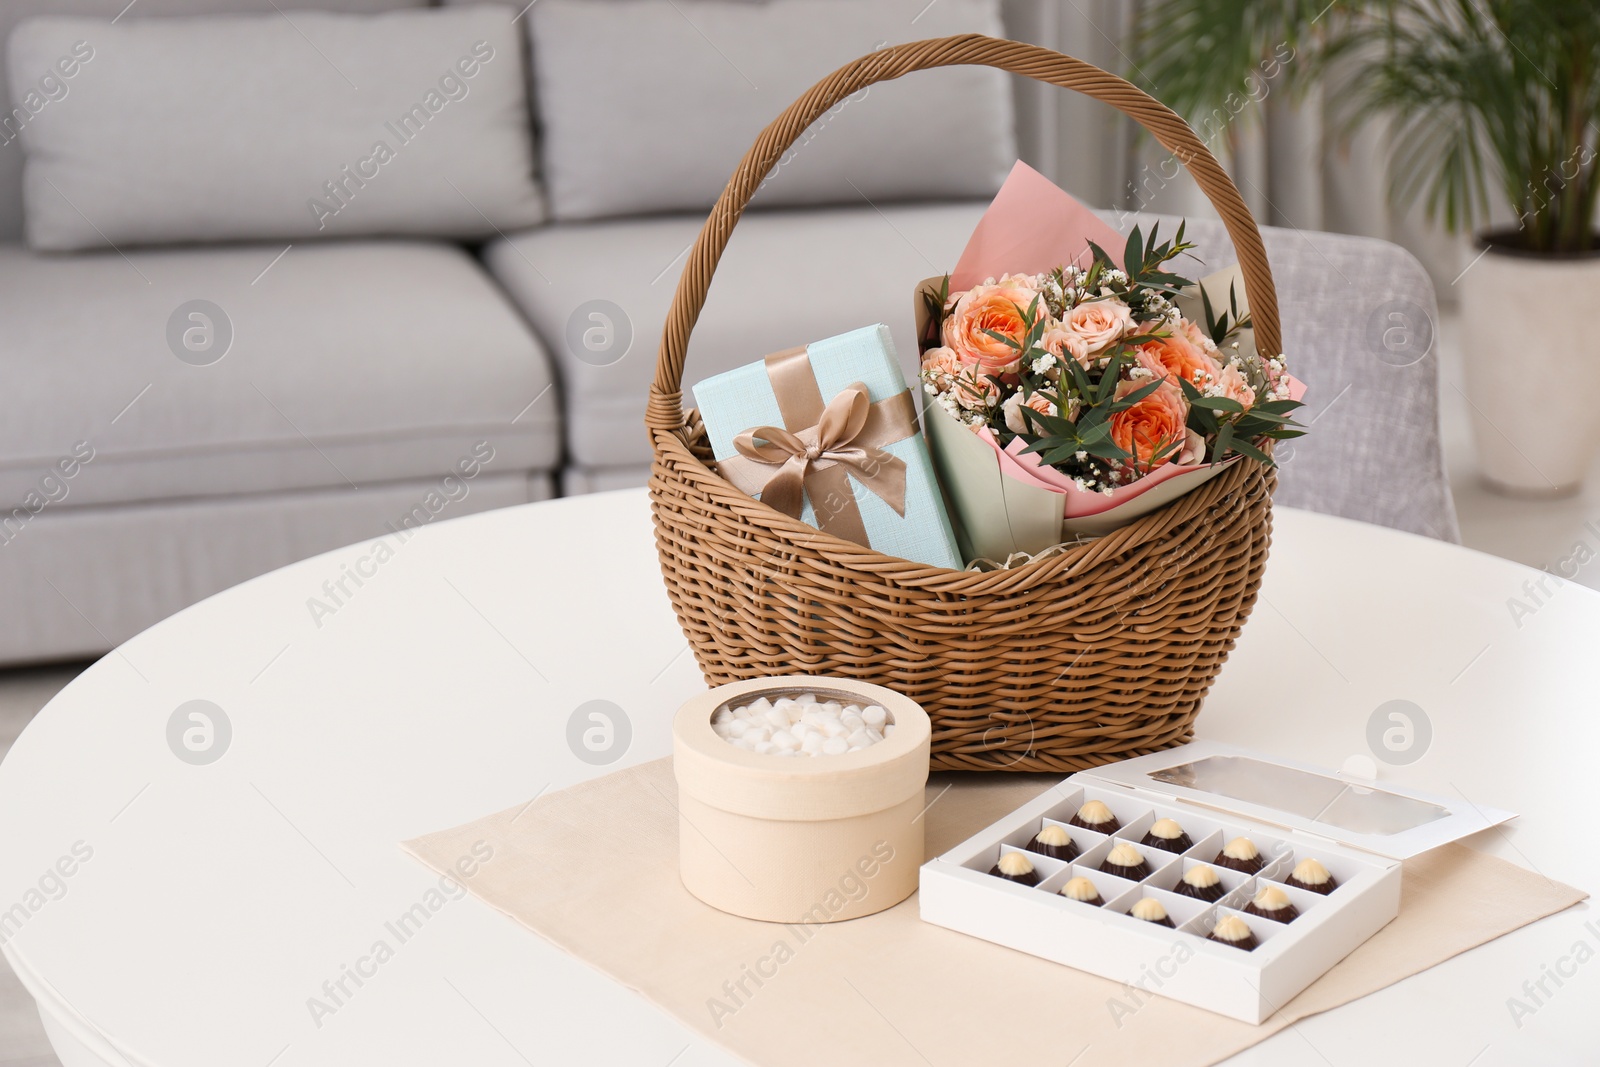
746, 399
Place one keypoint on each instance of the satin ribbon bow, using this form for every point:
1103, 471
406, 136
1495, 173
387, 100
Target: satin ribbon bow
836, 442
821, 446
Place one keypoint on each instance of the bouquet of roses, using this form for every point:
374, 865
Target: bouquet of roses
1099, 373
1097, 381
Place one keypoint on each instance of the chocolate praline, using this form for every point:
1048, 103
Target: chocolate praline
1095, 816
1240, 854
1150, 910
1014, 867
1201, 883
1312, 876
1235, 932
1054, 842
1083, 891
1273, 903
1168, 836
1124, 861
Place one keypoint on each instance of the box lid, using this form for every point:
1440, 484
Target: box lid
1384, 819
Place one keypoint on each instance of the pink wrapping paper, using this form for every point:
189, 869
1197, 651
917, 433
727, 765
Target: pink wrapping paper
1031, 227
1077, 503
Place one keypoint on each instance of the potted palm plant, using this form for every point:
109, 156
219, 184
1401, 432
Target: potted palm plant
1492, 106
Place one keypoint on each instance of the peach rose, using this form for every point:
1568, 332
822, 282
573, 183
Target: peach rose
1001, 308
941, 363
1064, 344
1099, 323
1232, 384
1012, 408
976, 392
1153, 424
1182, 358
1151, 363
1197, 337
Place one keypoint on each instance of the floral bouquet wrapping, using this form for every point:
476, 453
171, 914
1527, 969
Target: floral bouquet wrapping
1074, 390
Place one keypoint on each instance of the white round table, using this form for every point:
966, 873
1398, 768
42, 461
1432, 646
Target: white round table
377, 696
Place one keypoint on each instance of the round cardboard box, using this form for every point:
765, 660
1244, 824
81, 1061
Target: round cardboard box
803, 839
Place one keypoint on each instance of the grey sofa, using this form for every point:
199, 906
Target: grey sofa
364, 373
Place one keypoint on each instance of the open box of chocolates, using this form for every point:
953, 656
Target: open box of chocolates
1204, 873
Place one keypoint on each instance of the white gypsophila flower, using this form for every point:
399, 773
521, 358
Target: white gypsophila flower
1136, 374
1080, 455
929, 388
1044, 363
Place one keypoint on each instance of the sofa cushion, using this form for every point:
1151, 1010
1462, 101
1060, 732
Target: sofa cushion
314, 124
127, 568
14, 11
788, 277
648, 105
334, 365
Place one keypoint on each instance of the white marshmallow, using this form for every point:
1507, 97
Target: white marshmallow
802, 726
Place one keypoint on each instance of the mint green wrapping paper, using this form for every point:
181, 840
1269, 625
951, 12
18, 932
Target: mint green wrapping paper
741, 399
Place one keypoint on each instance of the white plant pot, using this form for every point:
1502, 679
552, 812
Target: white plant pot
1532, 371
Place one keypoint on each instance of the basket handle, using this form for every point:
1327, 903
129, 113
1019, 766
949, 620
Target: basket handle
664, 414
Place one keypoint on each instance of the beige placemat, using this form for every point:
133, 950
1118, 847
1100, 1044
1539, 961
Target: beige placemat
594, 870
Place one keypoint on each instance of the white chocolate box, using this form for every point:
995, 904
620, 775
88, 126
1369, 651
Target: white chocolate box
1358, 830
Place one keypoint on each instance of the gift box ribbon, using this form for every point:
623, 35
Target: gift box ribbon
820, 446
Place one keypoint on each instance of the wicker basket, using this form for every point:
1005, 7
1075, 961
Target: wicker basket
1099, 653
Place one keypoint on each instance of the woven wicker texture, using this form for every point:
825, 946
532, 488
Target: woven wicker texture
1098, 653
